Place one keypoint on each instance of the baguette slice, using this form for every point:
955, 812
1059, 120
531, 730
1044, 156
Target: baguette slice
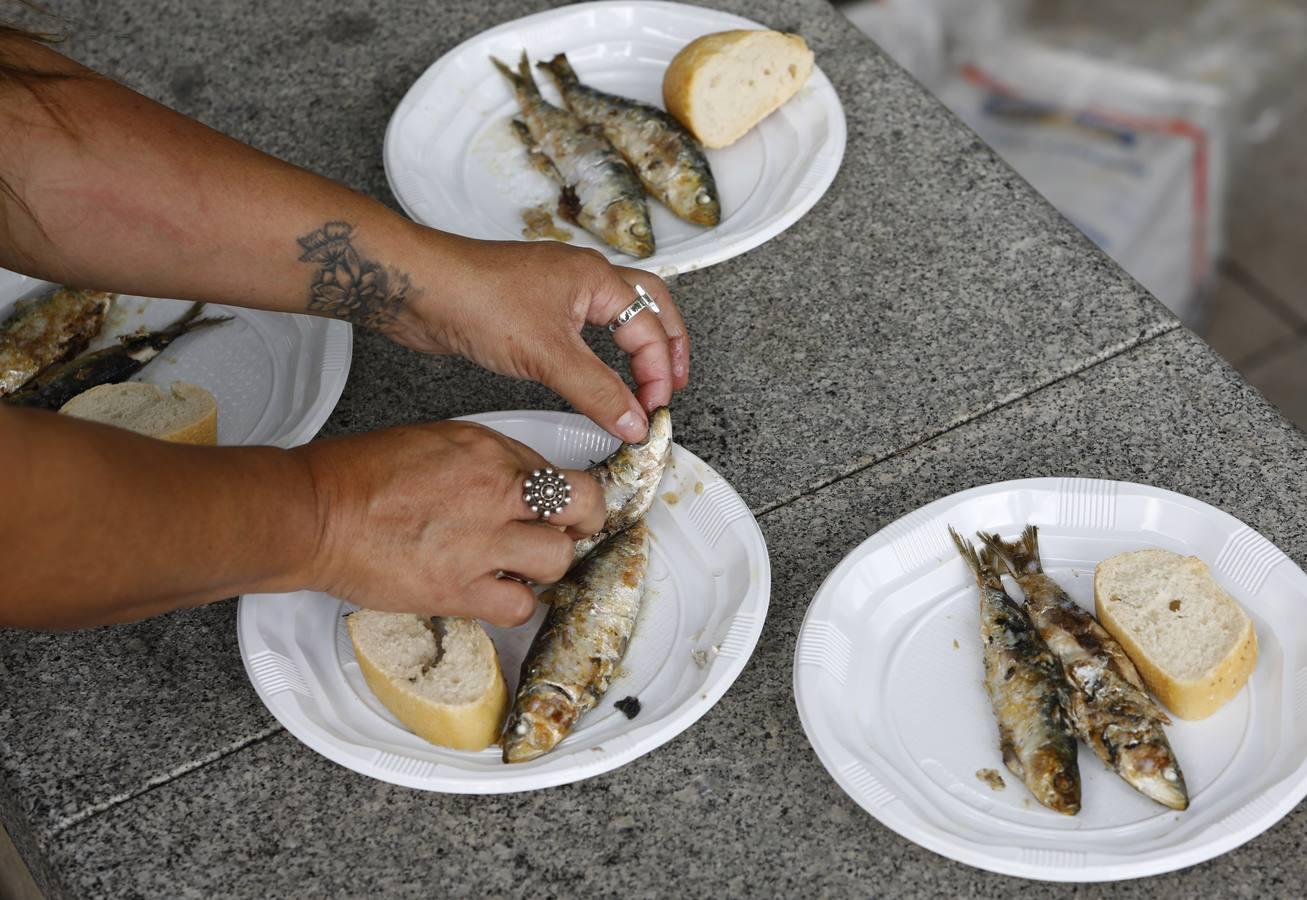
183, 414
1192, 643
721, 85
440, 677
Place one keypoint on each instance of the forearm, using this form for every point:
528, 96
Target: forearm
102, 525
121, 193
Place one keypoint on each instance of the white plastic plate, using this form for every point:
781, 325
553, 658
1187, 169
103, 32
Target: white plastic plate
276, 377
455, 164
888, 671
705, 600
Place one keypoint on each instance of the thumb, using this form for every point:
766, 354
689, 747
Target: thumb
597, 391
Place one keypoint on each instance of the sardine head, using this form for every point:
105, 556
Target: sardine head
1058, 787
707, 209
1150, 768
540, 719
626, 227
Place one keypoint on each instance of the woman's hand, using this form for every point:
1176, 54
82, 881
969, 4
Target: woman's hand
423, 518
518, 309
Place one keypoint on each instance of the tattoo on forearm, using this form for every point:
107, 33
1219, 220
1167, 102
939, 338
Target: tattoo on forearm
348, 286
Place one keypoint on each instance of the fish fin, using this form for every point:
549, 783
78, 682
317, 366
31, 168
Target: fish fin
1020, 556
569, 205
562, 71
534, 155
523, 84
967, 551
513, 77
981, 565
528, 83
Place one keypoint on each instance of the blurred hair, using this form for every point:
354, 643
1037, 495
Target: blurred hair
23, 76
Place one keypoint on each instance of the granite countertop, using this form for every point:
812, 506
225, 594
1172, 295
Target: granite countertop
931, 325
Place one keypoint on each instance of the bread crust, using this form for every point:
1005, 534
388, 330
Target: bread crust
679, 80
1187, 699
203, 430
469, 726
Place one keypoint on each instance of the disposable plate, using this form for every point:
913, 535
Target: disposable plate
888, 670
705, 601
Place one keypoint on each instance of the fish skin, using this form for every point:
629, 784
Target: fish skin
58, 384
1111, 711
600, 191
669, 161
48, 330
580, 645
629, 479
1027, 691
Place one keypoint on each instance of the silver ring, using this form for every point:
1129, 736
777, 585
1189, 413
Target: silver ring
642, 302
547, 492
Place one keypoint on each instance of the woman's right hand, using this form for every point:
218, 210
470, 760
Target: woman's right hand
423, 518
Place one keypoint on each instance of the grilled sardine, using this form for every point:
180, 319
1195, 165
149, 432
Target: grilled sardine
670, 162
1109, 707
1027, 690
580, 645
58, 384
600, 192
629, 478
48, 330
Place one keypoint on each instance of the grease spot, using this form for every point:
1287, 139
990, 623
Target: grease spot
698, 487
671, 498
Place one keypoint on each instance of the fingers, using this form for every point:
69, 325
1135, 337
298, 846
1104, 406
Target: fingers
583, 515
538, 552
678, 336
597, 391
643, 338
501, 601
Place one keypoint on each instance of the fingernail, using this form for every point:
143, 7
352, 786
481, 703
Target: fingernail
632, 427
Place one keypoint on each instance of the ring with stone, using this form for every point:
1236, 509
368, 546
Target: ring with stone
642, 302
547, 492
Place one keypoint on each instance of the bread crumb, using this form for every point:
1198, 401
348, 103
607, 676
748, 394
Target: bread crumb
956, 645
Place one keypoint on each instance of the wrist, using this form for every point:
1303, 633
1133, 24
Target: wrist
295, 524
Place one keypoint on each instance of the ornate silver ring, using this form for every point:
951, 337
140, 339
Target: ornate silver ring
547, 492
642, 302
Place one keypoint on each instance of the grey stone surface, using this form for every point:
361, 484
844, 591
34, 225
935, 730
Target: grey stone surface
928, 286
739, 803
104, 712
857, 332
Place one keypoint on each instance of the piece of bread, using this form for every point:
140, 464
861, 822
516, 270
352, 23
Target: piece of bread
440, 676
183, 414
1192, 643
721, 85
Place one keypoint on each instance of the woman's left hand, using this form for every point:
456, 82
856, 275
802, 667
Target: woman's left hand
518, 309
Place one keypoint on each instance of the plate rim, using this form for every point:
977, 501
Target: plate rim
715, 251
1200, 848
671, 726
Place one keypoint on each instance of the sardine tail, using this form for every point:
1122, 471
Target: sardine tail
504, 70
1020, 556
561, 70
521, 80
526, 81
968, 553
